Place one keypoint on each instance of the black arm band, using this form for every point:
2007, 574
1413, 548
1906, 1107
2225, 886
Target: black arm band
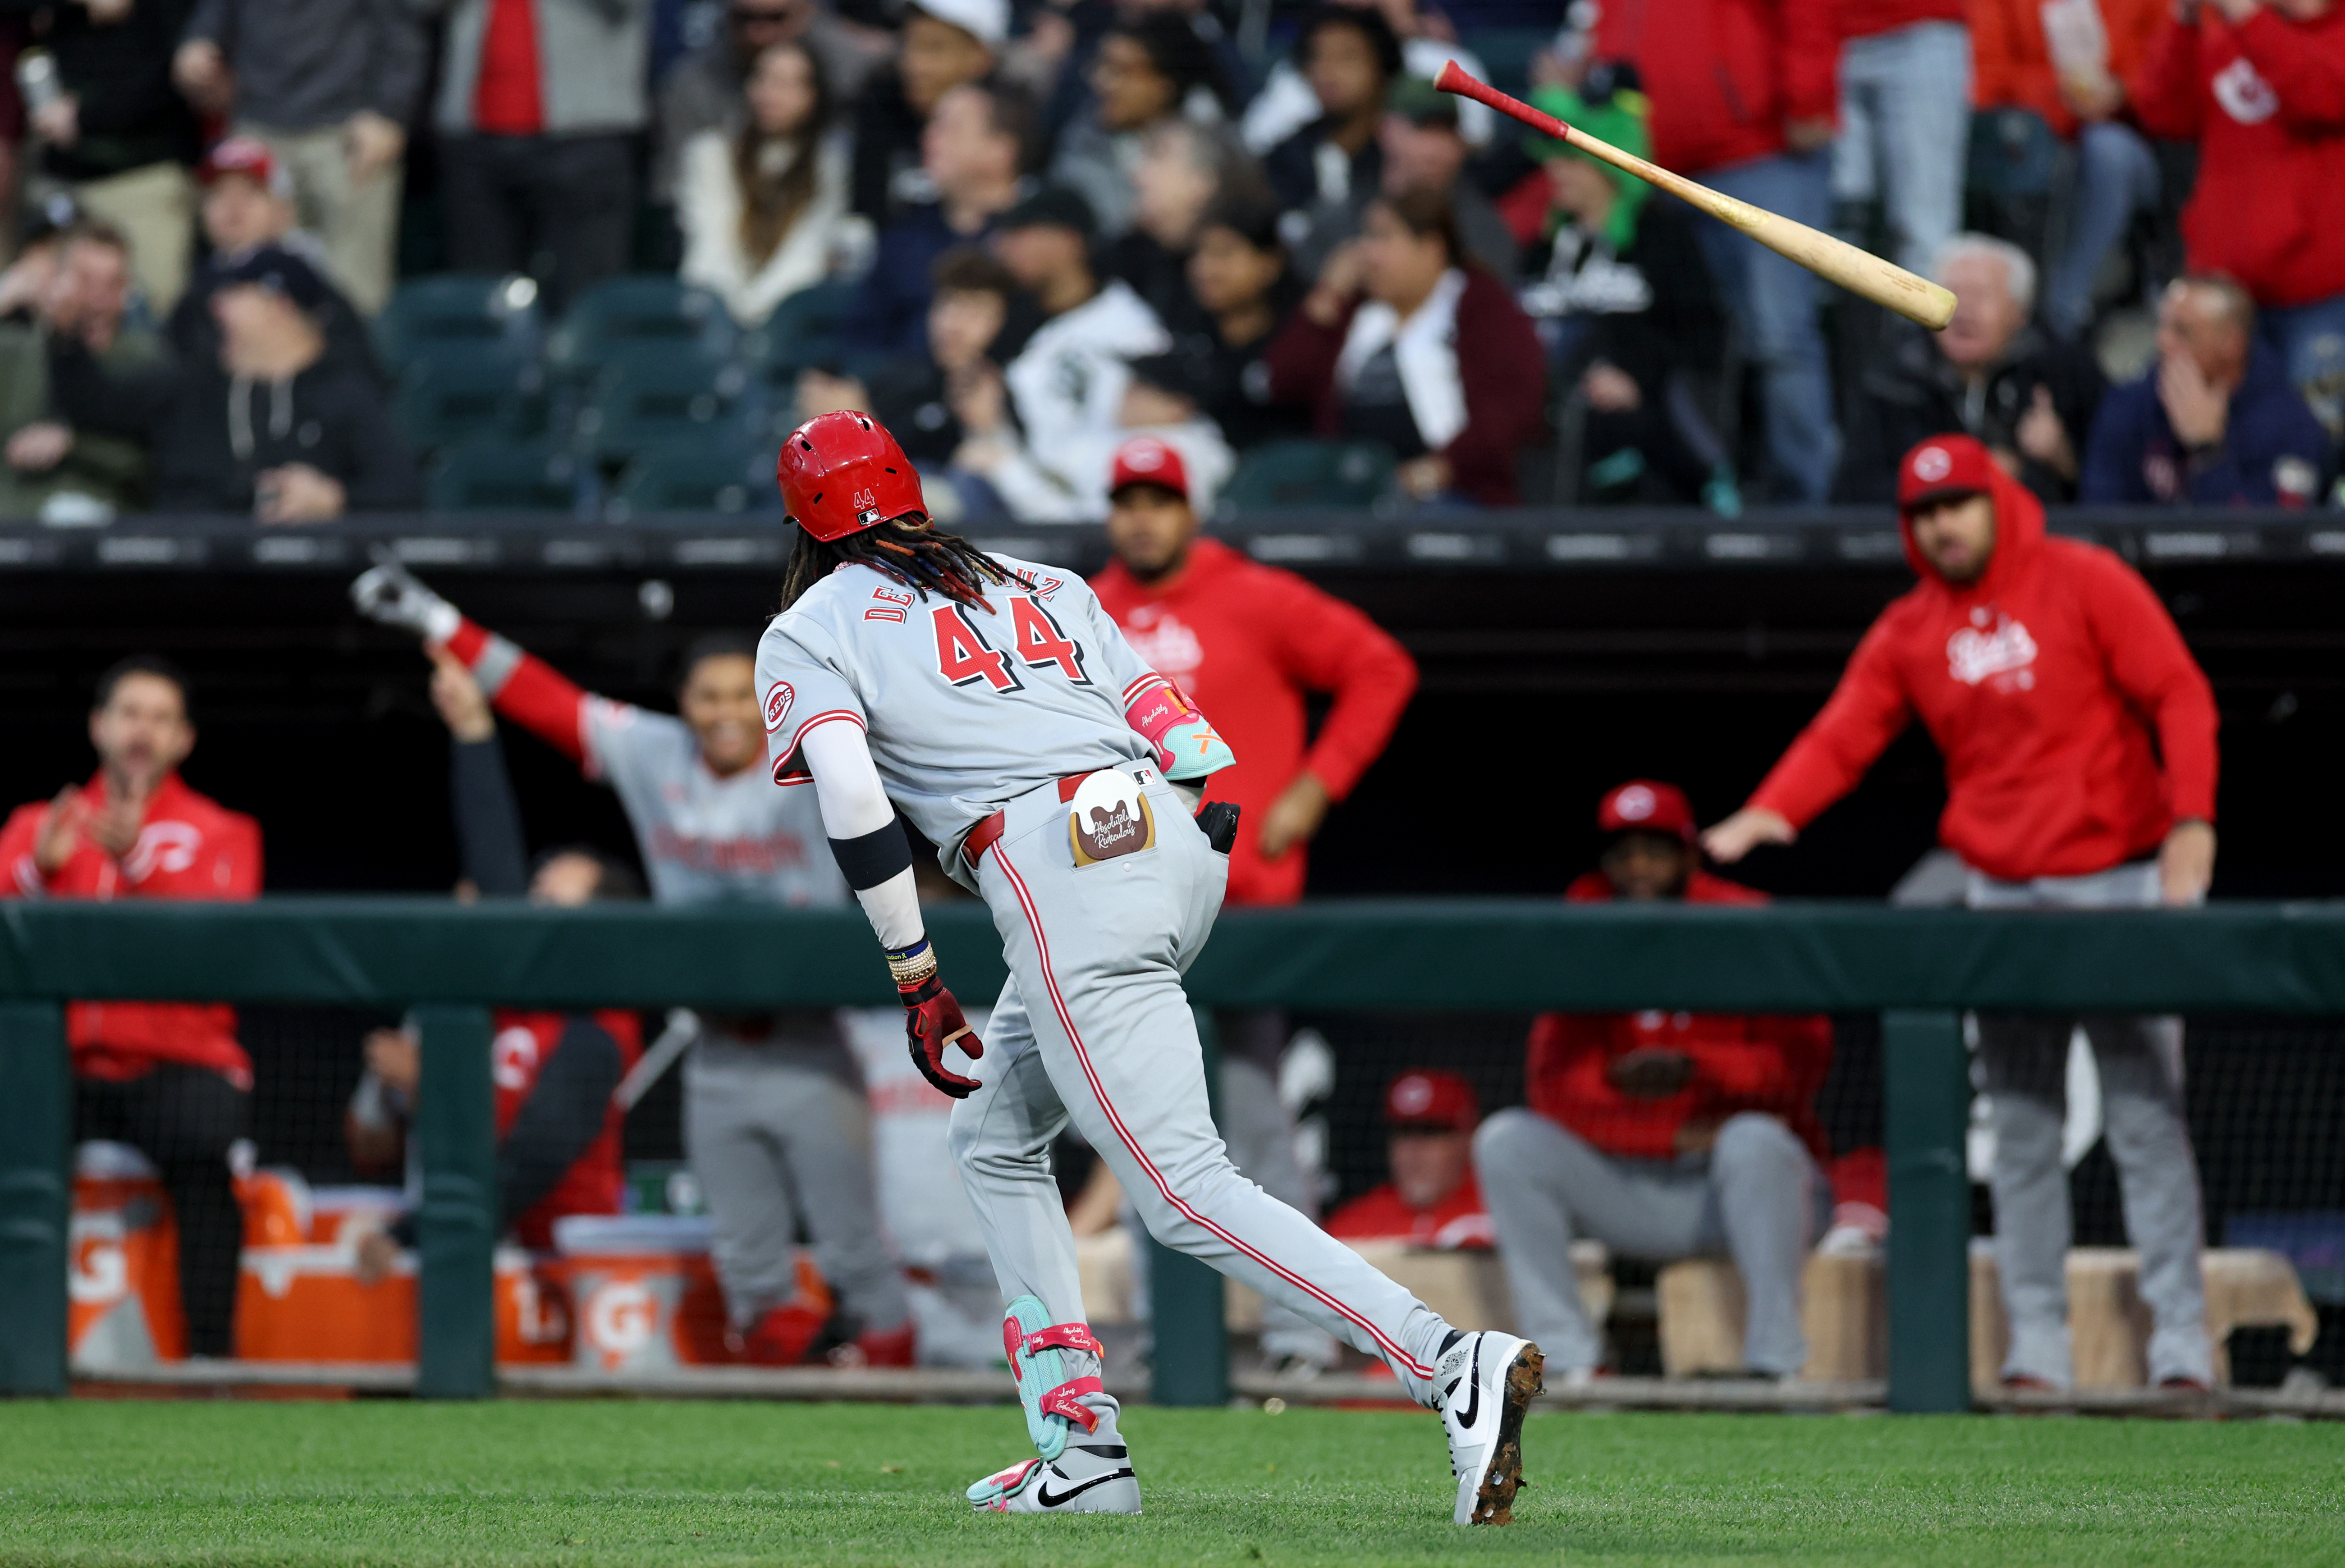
872, 859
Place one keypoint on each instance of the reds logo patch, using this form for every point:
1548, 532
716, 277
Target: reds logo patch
1992, 647
779, 698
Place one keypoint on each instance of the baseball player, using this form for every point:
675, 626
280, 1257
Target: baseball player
996, 703
774, 1119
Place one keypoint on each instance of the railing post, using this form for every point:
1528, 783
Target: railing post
456, 1228
1192, 1360
1927, 1087
35, 1196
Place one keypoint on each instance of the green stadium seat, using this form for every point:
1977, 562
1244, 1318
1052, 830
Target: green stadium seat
473, 310
1284, 475
509, 477
470, 391
717, 473
626, 315
803, 330
650, 396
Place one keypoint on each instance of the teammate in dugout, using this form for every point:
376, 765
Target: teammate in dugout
775, 1120
996, 702
2079, 744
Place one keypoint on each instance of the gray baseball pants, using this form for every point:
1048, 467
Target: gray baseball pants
778, 1132
2025, 1059
1094, 1026
1754, 1197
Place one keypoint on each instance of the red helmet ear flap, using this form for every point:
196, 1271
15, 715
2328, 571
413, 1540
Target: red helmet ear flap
842, 472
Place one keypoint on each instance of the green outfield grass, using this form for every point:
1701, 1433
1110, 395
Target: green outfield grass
391, 1483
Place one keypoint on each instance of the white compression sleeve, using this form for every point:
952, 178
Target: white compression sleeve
853, 803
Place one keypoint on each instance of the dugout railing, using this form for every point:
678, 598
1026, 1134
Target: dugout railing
1919, 968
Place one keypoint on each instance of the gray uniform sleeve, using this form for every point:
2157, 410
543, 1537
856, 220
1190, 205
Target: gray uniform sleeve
802, 681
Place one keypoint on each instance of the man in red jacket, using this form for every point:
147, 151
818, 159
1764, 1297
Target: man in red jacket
1662, 1134
168, 1078
1744, 93
1432, 1199
2261, 90
2079, 739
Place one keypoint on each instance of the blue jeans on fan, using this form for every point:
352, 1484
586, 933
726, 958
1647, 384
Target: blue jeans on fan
1905, 127
2117, 176
1775, 301
2310, 339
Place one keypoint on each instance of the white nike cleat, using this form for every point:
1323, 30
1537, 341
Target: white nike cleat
1484, 1382
1087, 1478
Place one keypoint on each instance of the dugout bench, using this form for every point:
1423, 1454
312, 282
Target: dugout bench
1918, 967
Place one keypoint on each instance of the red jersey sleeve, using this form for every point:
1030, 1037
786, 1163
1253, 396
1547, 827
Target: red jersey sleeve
2164, 93
1783, 1063
1808, 33
234, 843
19, 877
1866, 710
2149, 662
525, 688
2304, 66
1327, 646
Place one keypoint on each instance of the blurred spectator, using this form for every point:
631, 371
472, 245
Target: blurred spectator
115, 131
272, 428
2079, 742
1432, 1199
248, 204
764, 209
2067, 64
1423, 147
775, 1124
1350, 57
1905, 118
2258, 88
2214, 422
1075, 480
558, 1126
54, 471
1403, 342
1241, 292
1151, 70
541, 102
168, 1078
1184, 168
707, 90
1742, 94
1288, 103
1626, 300
1662, 1134
1069, 379
976, 146
914, 395
1989, 373
942, 45
331, 89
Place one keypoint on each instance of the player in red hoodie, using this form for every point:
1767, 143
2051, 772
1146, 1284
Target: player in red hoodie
2079, 744
167, 1076
1662, 1135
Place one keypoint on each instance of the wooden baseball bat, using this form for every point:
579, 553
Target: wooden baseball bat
1859, 272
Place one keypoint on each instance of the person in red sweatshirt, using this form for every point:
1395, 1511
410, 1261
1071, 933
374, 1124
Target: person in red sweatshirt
1432, 1199
2079, 744
1744, 93
2261, 90
167, 1077
1662, 1134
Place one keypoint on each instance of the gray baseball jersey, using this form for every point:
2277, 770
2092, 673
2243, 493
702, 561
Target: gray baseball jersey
965, 711
706, 840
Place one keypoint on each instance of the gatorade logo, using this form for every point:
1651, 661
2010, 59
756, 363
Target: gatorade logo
779, 698
619, 1320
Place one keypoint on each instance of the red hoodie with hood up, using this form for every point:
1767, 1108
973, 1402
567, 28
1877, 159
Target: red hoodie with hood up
2076, 728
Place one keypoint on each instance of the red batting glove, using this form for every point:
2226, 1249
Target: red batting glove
933, 1020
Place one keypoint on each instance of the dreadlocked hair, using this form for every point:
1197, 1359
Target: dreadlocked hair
907, 549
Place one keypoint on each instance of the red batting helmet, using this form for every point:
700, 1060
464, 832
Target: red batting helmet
843, 472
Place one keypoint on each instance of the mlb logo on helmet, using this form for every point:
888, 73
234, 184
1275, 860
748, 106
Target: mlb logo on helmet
779, 698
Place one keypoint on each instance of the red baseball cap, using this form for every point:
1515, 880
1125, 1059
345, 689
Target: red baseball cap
1429, 1097
1646, 805
1144, 460
1943, 466
246, 155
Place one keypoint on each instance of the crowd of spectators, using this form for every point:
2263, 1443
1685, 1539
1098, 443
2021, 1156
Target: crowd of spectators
1228, 246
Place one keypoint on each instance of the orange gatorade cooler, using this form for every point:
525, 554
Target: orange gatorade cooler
123, 1313
641, 1291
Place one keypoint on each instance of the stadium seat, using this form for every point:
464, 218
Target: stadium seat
468, 392
621, 315
716, 474
650, 396
1298, 474
803, 330
464, 310
508, 477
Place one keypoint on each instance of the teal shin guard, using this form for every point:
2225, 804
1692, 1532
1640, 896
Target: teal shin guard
1039, 1350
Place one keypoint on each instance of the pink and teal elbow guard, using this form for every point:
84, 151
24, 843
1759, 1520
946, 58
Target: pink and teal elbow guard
1187, 748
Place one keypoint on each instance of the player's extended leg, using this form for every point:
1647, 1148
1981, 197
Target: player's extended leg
825, 1143
1001, 1144
753, 1244
2025, 1060
2140, 1061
